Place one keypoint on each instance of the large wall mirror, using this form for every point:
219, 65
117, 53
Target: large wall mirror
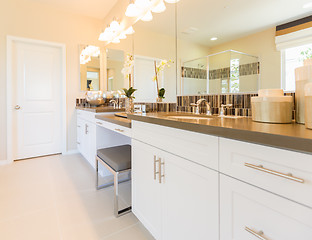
155, 43
207, 31
101, 67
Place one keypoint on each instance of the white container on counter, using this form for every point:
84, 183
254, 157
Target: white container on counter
271, 106
303, 76
308, 105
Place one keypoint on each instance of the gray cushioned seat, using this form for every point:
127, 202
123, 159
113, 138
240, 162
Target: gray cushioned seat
118, 158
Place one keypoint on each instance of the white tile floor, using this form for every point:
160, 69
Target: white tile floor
55, 198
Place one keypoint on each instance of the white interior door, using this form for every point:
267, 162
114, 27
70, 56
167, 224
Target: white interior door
36, 99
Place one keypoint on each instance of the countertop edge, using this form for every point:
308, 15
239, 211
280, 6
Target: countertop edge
303, 145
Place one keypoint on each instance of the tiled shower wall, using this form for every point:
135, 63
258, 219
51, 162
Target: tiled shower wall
241, 103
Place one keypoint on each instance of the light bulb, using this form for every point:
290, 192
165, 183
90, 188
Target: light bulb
132, 10
114, 26
129, 31
172, 1
106, 35
147, 17
160, 7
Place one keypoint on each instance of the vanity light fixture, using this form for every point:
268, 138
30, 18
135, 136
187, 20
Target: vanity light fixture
307, 5
106, 35
160, 7
114, 26
213, 38
132, 10
147, 17
129, 31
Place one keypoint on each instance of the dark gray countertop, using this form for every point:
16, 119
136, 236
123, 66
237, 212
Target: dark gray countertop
125, 122
100, 109
286, 136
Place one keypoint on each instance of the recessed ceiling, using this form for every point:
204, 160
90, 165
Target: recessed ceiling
90, 8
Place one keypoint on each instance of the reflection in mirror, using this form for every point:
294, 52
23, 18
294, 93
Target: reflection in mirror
225, 72
249, 27
115, 64
155, 42
90, 68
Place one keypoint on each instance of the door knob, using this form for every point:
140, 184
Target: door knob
17, 107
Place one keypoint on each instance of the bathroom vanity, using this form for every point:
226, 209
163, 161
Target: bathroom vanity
211, 177
203, 179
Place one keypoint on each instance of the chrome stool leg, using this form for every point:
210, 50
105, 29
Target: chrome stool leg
117, 212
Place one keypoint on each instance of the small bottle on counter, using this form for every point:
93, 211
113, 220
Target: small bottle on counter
308, 105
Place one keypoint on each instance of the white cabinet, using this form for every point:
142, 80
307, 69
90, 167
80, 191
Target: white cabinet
173, 197
146, 191
247, 211
86, 140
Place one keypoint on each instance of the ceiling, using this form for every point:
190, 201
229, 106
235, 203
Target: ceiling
225, 19
90, 8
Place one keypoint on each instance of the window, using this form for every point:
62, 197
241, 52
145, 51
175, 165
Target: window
231, 85
292, 58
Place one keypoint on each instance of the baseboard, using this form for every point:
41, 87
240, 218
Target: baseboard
71, 152
4, 162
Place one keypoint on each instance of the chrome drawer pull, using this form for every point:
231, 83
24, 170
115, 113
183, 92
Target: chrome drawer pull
262, 169
155, 161
119, 130
258, 235
160, 175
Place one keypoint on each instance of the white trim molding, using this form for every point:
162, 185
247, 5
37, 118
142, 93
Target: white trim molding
62, 47
294, 39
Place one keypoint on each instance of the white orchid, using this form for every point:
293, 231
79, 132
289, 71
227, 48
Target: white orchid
128, 65
158, 69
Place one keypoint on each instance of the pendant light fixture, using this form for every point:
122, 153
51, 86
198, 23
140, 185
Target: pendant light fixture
122, 36
160, 7
116, 40
147, 17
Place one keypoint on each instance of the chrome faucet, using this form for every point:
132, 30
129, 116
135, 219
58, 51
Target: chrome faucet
222, 108
198, 103
114, 103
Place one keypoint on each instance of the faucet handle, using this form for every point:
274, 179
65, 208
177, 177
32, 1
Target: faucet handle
224, 106
195, 108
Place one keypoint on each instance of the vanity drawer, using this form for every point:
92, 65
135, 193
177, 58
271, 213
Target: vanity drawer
283, 172
114, 127
196, 147
246, 211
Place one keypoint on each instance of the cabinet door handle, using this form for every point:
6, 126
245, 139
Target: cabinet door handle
119, 130
258, 235
262, 169
86, 129
160, 175
155, 162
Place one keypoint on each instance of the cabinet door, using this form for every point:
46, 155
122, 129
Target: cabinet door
80, 124
91, 143
190, 200
146, 194
248, 212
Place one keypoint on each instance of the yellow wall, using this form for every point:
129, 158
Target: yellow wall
260, 44
30, 19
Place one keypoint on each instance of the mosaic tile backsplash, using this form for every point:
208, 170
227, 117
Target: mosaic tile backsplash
241, 103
